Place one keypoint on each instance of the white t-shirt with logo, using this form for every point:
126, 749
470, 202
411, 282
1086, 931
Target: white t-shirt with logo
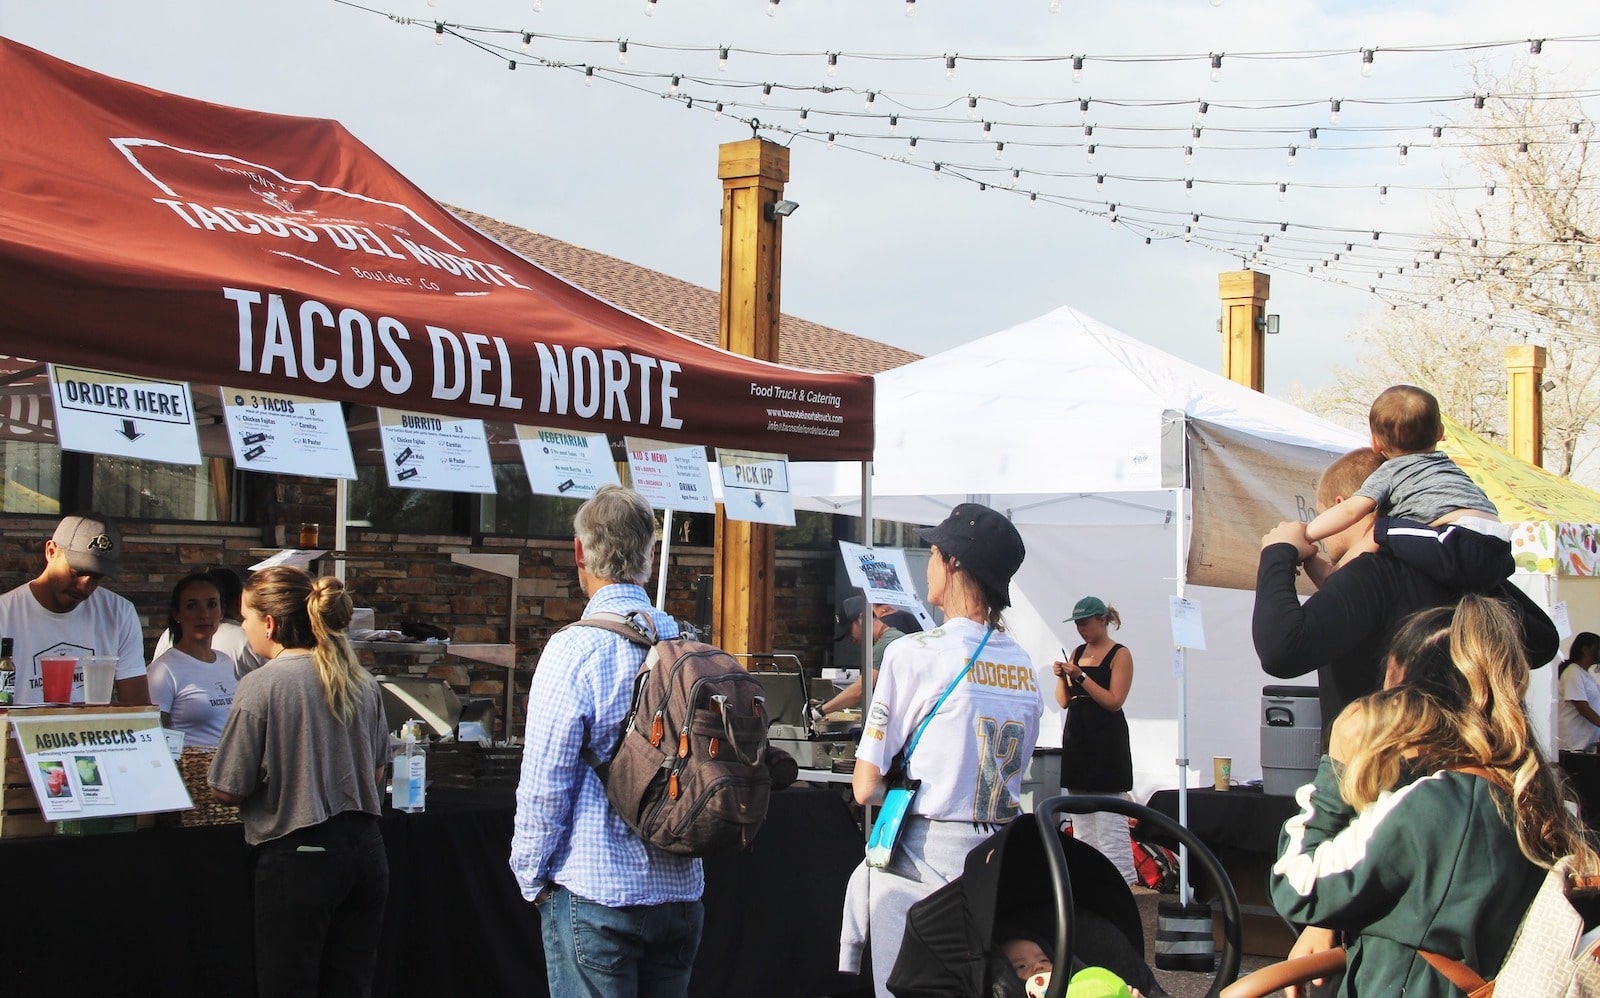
103, 624
973, 754
230, 638
196, 695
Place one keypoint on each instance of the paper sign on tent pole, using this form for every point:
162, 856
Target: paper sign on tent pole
884, 577
99, 412
287, 434
755, 487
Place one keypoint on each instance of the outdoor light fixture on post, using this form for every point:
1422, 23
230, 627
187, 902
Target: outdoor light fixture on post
780, 209
1267, 324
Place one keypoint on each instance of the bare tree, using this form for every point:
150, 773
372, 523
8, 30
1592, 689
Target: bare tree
1517, 264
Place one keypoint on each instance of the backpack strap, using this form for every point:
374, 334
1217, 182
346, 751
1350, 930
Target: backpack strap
638, 629
1459, 974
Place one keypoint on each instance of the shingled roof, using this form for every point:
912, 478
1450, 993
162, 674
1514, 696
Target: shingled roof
688, 308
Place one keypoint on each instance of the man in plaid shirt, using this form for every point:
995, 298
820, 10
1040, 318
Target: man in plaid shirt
636, 908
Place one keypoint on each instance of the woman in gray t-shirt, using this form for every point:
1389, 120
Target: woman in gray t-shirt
303, 754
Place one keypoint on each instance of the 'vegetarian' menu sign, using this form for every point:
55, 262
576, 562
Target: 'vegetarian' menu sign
98, 412
670, 476
287, 434
567, 463
421, 451
89, 764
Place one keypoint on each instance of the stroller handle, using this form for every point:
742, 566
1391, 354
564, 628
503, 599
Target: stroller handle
1047, 815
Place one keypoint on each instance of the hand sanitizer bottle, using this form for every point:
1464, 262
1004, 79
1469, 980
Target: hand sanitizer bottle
409, 783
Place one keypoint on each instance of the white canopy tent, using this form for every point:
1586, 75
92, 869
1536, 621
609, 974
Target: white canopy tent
1059, 422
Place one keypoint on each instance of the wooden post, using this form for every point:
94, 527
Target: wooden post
1244, 306
1525, 409
753, 173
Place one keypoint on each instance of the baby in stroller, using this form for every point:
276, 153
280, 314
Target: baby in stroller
1029, 958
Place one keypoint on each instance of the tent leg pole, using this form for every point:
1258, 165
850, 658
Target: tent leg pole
666, 545
1185, 893
866, 646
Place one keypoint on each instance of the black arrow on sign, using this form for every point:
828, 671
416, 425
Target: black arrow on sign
128, 430
757, 501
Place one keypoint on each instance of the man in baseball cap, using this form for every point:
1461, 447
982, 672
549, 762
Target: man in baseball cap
886, 627
65, 612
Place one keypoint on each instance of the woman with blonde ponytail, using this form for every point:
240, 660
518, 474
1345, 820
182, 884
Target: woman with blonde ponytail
1433, 818
303, 755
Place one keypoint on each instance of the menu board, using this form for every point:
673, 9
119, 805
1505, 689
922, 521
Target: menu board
91, 764
567, 463
443, 453
287, 434
671, 476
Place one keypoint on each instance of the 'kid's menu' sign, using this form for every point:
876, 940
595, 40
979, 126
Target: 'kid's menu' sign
670, 476
98, 765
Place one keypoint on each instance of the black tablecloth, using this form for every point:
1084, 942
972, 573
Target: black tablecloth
167, 911
1242, 819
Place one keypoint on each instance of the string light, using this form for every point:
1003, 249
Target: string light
1188, 188
622, 51
649, 8
911, 8
911, 150
1438, 133
999, 149
672, 88
722, 59
766, 92
1090, 157
1383, 194
438, 32
527, 39
1083, 108
1283, 191
949, 67
1366, 62
511, 64
1200, 114
830, 140
1312, 135
1291, 155
772, 8
1077, 69
1216, 67
972, 107
1535, 47
1099, 182
1188, 154
805, 113
588, 76
718, 112
1477, 102
1405, 153
833, 64
894, 123
1334, 107
871, 97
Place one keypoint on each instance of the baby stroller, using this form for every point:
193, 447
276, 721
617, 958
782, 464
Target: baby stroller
1029, 877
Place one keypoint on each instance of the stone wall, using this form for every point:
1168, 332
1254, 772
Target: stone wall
402, 577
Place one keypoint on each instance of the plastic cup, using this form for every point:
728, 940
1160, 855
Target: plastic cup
57, 676
99, 678
1222, 771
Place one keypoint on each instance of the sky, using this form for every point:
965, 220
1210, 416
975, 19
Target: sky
882, 245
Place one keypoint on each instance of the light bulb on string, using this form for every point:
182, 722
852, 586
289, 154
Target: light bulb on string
1090, 157
1088, 131
805, 113
1366, 62
675, 85
649, 8
1535, 47
833, 64
949, 67
871, 96
830, 140
1216, 67
1188, 154
1016, 175
438, 32
772, 8
911, 8
894, 123
718, 112
1311, 134
972, 107
1188, 188
527, 39
766, 92
1283, 191
1111, 217
1083, 109
999, 149
1292, 150
911, 148
1099, 182
622, 51
1200, 113
1478, 100
511, 64
1194, 134
588, 76
1077, 69
1383, 194
1334, 107
1405, 153
1438, 133
722, 59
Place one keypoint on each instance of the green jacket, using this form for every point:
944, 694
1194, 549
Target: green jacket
1431, 864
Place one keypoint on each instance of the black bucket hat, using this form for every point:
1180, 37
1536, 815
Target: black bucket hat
985, 542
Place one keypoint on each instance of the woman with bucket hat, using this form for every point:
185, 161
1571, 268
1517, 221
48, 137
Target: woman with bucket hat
1092, 684
974, 685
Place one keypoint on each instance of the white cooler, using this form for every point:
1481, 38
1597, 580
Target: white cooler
1291, 737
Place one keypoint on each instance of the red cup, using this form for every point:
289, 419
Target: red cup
57, 674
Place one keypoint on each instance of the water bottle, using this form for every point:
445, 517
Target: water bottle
409, 783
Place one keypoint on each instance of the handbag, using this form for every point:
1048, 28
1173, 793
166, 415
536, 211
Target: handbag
897, 801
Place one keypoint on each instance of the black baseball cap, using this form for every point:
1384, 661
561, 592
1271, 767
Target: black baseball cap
985, 542
849, 613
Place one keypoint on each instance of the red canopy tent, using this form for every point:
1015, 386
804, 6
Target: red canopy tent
156, 235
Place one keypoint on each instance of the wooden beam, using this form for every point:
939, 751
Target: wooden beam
753, 173
1244, 305
1525, 403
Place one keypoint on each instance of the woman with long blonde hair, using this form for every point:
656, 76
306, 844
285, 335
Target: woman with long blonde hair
1433, 818
303, 755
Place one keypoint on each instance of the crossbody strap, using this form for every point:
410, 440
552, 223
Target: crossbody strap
917, 737
1456, 972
